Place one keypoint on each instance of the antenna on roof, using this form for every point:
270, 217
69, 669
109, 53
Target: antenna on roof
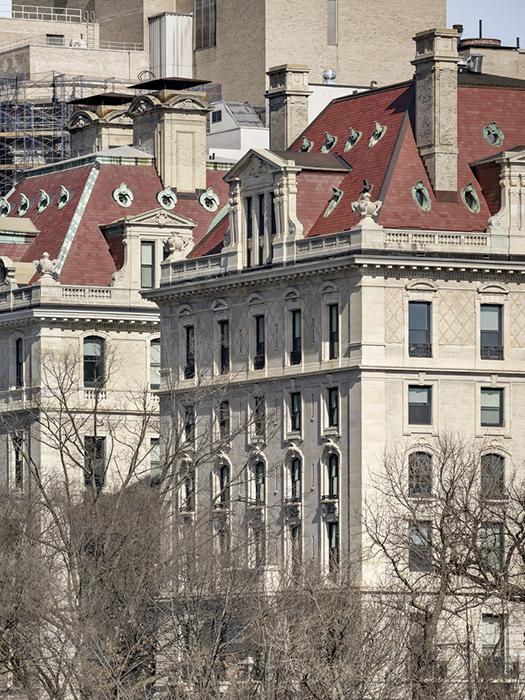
517, 42
481, 29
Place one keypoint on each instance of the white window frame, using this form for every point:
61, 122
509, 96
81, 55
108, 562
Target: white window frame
425, 292
504, 430
330, 295
433, 428
499, 296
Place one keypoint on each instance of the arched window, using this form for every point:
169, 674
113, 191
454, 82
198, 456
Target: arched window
492, 476
260, 483
154, 364
296, 478
224, 485
19, 362
332, 475
93, 361
420, 474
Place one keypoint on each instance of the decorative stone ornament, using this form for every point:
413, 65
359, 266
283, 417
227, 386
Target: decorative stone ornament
306, 145
421, 196
379, 132
5, 207
63, 198
493, 134
175, 246
123, 196
167, 198
364, 206
329, 142
209, 200
23, 206
470, 198
353, 138
43, 201
337, 195
46, 267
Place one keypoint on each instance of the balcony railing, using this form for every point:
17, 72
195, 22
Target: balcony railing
50, 14
491, 352
420, 350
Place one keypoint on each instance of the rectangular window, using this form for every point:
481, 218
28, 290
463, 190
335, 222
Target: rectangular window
491, 339
189, 424
491, 545
492, 407
94, 462
419, 333
273, 223
224, 485
205, 23
260, 343
492, 477
55, 40
259, 545
419, 474
295, 412
224, 359
249, 218
19, 359
296, 549
154, 460
154, 364
224, 420
188, 491
18, 449
216, 116
331, 22
333, 547
189, 367
260, 483
420, 405
420, 546
296, 480
260, 227
296, 345
147, 265
493, 646
333, 407
333, 331
259, 415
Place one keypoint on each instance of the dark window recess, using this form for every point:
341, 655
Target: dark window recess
18, 448
420, 405
260, 343
492, 407
95, 462
224, 485
332, 474
216, 116
259, 545
205, 23
260, 227
420, 546
93, 361
55, 40
296, 479
295, 412
420, 474
154, 461
333, 407
333, 331
249, 218
189, 424
19, 359
189, 367
154, 364
224, 359
188, 492
296, 345
260, 483
273, 222
492, 477
296, 547
333, 547
259, 416
224, 420
419, 336
147, 265
491, 545
491, 336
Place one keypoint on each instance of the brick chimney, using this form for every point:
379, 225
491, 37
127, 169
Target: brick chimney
171, 125
288, 102
436, 81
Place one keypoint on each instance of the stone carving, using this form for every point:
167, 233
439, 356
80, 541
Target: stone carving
209, 200
379, 132
5, 207
493, 134
306, 145
43, 201
123, 196
336, 197
255, 168
176, 245
353, 138
329, 142
46, 267
79, 121
364, 206
456, 318
63, 198
23, 205
393, 315
167, 198
517, 324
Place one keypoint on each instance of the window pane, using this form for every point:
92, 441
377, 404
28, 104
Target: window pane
492, 476
490, 317
154, 359
492, 407
420, 474
419, 405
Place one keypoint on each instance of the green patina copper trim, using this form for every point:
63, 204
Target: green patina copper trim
470, 198
493, 134
306, 145
421, 196
5, 207
329, 142
63, 198
167, 198
336, 197
43, 202
123, 196
24, 204
209, 200
353, 138
379, 131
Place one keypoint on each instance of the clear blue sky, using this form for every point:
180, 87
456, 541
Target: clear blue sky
502, 19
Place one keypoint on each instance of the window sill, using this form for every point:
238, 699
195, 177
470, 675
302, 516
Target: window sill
332, 431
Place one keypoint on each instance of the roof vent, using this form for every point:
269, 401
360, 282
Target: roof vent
475, 63
329, 75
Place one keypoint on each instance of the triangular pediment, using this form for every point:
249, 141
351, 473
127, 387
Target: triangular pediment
512, 155
256, 162
160, 218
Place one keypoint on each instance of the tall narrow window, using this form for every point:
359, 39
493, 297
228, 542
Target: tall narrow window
420, 405
19, 363
154, 364
296, 549
296, 344
333, 407
419, 334
259, 416
420, 546
296, 480
187, 503
491, 339
260, 483
331, 22
295, 412
333, 547
93, 361
189, 367
491, 545
18, 449
273, 223
260, 227
260, 343
189, 424
205, 23
419, 474
333, 331
492, 477
332, 474
154, 461
224, 486
224, 359
94, 462
224, 420
493, 646
259, 545
147, 264
492, 407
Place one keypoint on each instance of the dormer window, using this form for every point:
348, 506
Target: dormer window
258, 239
470, 198
329, 142
336, 197
379, 132
43, 202
147, 264
209, 200
421, 196
216, 116
353, 138
123, 196
493, 135
24, 205
63, 198
306, 145
5, 207
167, 198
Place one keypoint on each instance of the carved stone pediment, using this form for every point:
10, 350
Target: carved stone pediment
142, 104
256, 163
79, 120
156, 218
119, 117
188, 103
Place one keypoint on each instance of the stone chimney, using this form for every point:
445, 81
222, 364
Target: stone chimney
288, 102
171, 125
107, 126
436, 80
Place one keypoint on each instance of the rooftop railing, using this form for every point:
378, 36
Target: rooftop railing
51, 14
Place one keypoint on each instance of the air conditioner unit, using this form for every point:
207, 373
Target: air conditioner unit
78, 44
